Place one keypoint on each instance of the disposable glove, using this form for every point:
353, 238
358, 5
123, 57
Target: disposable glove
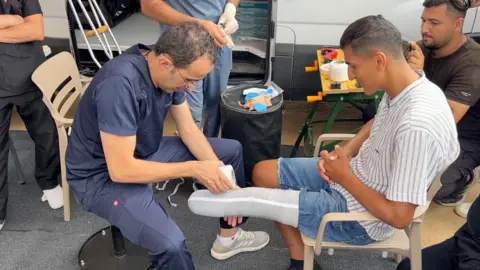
227, 20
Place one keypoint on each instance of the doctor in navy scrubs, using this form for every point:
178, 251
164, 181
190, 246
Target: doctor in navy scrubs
116, 147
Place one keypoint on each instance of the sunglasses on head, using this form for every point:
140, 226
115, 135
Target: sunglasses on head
462, 5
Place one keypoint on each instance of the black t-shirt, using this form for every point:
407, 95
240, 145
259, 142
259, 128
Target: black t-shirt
18, 61
458, 75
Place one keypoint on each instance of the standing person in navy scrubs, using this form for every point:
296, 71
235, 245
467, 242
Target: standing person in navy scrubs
21, 33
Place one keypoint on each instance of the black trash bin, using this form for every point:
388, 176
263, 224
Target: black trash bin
260, 133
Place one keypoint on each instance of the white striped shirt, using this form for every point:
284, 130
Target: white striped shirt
413, 137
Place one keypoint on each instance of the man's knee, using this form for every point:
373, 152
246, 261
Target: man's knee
167, 249
454, 179
228, 150
265, 174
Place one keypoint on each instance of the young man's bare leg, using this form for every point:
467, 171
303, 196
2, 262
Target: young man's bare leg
265, 174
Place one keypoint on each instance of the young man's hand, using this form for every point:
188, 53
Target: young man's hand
416, 58
325, 155
336, 167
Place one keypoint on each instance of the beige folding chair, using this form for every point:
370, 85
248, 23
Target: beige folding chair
405, 242
61, 84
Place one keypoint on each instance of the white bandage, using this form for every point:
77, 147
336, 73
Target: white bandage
272, 204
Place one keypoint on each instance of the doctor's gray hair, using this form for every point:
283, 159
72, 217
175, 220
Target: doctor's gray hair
372, 32
185, 43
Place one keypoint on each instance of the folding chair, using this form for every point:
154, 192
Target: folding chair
405, 242
59, 80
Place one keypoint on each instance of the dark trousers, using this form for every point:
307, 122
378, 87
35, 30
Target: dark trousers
460, 252
436, 257
459, 175
42, 131
140, 216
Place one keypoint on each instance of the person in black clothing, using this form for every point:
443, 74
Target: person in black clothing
451, 60
460, 252
21, 32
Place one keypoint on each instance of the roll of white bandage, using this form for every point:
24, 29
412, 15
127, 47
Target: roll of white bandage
230, 173
338, 71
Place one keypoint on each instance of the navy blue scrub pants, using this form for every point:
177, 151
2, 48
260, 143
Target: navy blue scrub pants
140, 216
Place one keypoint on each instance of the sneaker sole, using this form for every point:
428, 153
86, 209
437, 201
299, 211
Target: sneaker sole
464, 197
224, 256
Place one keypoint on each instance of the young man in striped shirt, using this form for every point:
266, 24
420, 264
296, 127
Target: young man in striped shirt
385, 169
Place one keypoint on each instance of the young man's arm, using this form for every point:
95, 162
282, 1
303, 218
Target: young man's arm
408, 184
190, 134
353, 145
7, 20
463, 91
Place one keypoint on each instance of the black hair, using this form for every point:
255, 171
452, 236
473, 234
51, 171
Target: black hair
372, 32
457, 8
185, 43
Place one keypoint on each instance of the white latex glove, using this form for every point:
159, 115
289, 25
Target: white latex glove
228, 19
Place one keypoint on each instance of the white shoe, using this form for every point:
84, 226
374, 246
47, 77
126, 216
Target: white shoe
244, 242
462, 209
54, 197
2, 222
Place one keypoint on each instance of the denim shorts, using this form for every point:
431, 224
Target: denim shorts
318, 199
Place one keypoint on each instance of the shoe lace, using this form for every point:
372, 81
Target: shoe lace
245, 235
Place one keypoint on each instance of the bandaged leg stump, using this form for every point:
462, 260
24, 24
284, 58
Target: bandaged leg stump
272, 204
108, 249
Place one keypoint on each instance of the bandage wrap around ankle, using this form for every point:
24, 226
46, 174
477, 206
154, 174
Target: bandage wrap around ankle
272, 204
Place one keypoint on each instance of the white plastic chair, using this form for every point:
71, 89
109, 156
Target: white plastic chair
405, 242
61, 84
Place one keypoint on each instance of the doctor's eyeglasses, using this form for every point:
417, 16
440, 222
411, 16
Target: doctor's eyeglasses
190, 84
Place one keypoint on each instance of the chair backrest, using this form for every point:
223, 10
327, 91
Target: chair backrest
435, 187
59, 80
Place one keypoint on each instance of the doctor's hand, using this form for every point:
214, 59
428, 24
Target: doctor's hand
216, 31
230, 24
208, 173
416, 58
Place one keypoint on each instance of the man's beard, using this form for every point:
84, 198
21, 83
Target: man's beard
433, 46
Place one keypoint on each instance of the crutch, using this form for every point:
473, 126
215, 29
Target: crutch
98, 30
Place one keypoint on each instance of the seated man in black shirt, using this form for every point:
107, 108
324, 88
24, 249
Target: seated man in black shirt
21, 32
451, 60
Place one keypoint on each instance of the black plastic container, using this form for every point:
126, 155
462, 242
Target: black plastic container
260, 133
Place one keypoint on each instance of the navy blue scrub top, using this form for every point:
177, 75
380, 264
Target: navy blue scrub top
121, 100
18, 61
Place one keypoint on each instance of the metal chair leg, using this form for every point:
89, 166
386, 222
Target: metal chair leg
13, 150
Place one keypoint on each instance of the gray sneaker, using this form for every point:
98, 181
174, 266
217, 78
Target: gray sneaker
245, 242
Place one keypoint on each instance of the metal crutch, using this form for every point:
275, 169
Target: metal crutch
98, 31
